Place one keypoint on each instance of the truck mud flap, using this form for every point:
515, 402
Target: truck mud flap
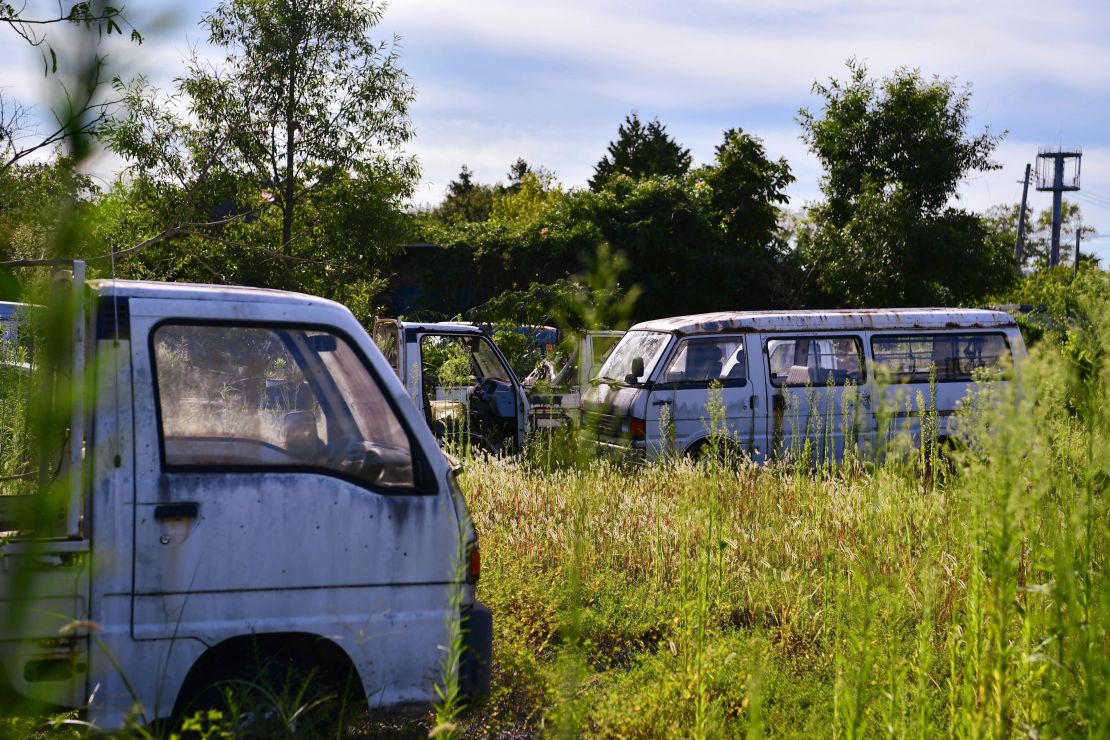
477, 655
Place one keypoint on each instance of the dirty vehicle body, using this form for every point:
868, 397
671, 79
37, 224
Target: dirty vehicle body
248, 480
556, 386
794, 383
459, 380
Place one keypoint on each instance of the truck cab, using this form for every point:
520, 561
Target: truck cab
241, 475
460, 381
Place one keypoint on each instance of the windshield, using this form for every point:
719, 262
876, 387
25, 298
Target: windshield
646, 345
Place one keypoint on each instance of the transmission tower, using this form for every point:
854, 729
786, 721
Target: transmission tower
1051, 175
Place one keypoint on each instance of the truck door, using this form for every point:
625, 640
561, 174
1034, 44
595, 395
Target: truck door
279, 489
387, 336
707, 384
469, 391
819, 399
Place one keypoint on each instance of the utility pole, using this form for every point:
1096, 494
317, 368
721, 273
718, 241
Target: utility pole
1053, 160
1019, 248
1075, 267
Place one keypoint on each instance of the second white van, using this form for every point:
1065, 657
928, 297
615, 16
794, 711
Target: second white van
818, 381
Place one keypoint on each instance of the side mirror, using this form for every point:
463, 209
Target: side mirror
637, 370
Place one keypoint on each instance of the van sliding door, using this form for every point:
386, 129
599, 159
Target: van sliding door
819, 399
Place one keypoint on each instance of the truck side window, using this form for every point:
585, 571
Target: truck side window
250, 396
813, 361
700, 361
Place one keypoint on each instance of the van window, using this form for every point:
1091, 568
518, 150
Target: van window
799, 361
910, 358
646, 346
240, 396
701, 361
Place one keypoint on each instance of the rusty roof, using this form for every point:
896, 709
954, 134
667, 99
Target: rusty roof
836, 320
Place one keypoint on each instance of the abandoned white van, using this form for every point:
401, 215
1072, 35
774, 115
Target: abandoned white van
816, 381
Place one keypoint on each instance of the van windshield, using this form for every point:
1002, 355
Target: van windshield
645, 345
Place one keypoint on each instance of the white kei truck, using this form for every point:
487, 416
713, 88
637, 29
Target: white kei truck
243, 476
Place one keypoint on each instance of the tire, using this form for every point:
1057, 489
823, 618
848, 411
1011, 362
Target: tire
727, 452
284, 693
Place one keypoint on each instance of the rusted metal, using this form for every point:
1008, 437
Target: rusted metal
833, 320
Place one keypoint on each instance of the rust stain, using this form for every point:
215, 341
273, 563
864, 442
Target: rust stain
872, 319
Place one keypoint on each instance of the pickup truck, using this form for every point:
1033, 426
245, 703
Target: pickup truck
462, 382
243, 480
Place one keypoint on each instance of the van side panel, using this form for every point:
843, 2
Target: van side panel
929, 371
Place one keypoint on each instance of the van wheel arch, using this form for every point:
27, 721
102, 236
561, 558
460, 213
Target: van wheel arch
237, 657
699, 449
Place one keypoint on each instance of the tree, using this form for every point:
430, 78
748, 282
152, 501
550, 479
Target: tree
304, 93
39, 199
641, 151
466, 200
894, 154
79, 109
297, 131
706, 240
747, 190
1001, 222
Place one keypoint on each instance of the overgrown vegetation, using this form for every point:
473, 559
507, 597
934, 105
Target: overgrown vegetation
712, 599
723, 599
708, 599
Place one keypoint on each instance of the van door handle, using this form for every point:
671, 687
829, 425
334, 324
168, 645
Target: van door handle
184, 510
751, 402
661, 402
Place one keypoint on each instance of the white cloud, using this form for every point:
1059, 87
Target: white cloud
772, 55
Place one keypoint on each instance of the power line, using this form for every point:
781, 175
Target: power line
1094, 198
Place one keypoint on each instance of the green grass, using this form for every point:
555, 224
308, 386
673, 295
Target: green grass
719, 600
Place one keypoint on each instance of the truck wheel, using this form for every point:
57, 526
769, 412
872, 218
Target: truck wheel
280, 694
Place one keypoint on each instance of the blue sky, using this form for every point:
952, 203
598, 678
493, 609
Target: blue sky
551, 80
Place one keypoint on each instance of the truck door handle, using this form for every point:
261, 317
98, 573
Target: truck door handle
184, 510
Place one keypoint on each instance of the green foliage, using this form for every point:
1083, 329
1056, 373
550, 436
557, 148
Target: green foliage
526, 201
466, 201
1001, 222
38, 200
641, 151
708, 240
1062, 309
894, 153
745, 191
288, 172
